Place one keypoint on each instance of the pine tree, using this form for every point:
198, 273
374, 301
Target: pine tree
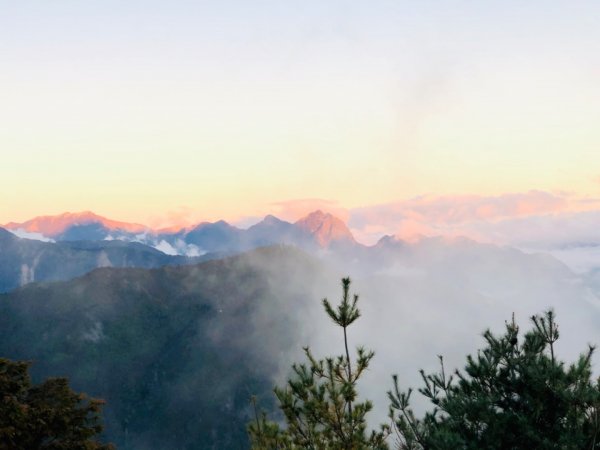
514, 394
45, 416
320, 402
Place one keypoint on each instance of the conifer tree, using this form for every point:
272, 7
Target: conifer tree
514, 394
45, 416
320, 402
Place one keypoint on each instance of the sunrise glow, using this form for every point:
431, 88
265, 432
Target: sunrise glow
175, 113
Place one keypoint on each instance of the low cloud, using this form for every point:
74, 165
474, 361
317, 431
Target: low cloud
560, 224
433, 297
179, 247
503, 219
19, 232
566, 229
166, 248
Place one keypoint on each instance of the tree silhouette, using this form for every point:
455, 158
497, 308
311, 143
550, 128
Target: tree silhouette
319, 403
45, 416
513, 394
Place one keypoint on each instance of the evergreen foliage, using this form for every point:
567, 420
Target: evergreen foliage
514, 394
45, 416
319, 403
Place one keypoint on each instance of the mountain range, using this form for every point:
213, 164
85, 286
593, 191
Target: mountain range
24, 261
76, 243
177, 351
177, 344
81, 242
316, 230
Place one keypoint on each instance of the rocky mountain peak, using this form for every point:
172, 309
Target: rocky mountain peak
325, 228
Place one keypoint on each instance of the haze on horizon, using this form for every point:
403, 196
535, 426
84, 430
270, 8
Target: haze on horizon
193, 111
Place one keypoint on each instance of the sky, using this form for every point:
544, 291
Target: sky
165, 112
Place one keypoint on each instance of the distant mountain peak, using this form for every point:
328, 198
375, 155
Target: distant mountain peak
220, 224
389, 239
318, 227
270, 218
52, 226
325, 227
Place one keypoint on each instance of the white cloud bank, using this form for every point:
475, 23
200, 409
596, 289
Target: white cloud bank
561, 224
19, 232
179, 247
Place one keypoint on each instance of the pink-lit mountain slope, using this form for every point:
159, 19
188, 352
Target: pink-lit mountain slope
325, 228
56, 227
316, 230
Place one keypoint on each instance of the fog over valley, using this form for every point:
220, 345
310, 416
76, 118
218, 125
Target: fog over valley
149, 331
212, 212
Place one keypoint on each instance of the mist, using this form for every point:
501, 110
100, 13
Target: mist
434, 297
213, 334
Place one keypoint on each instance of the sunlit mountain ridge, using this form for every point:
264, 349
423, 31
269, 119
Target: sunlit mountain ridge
317, 228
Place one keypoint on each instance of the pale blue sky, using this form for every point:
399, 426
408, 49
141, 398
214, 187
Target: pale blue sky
131, 108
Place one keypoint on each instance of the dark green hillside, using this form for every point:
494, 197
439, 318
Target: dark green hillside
175, 352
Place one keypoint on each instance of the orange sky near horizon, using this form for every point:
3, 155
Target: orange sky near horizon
201, 112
